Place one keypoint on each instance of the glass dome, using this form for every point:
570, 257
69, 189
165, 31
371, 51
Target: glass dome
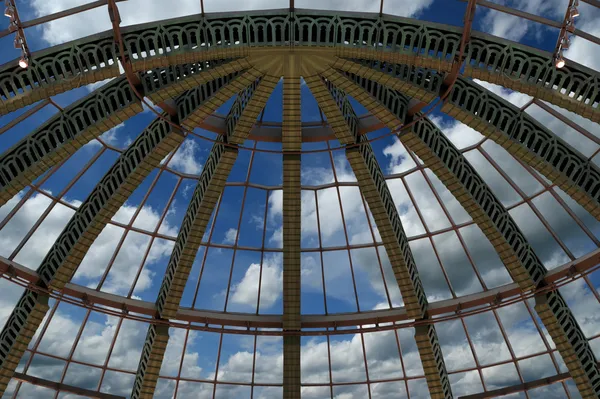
300, 200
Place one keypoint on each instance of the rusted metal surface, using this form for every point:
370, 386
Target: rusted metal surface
59, 386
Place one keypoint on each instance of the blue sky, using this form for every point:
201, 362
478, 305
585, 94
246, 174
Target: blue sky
227, 278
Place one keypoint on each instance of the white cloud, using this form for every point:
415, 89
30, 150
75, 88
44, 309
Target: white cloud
347, 356
583, 51
230, 236
110, 137
271, 278
124, 268
515, 28
186, 159
140, 11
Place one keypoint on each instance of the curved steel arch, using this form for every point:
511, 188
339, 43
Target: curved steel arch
353, 38
494, 117
229, 35
65, 133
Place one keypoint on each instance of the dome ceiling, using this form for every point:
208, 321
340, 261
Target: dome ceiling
299, 202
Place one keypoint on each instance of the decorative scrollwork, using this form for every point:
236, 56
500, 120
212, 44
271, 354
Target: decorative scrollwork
96, 57
104, 201
570, 341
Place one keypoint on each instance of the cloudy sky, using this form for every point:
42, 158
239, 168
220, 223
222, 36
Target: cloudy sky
510, 345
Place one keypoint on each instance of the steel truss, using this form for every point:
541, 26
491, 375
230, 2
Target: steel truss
385, 63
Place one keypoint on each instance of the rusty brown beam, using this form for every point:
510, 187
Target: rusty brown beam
57, 386
23, 116
58, 15
542, 382
594, 3
460, 304
538, 19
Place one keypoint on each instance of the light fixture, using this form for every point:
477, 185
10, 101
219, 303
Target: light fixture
9, 12
24, 61
18, 43
574, 12
564, 44
559, 61
12, 26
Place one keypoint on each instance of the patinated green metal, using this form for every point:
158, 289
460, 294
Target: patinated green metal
80, 232
418, 42
518, 132
570, 342
210, 185
18, 332
374, 188
84, 120
517, 254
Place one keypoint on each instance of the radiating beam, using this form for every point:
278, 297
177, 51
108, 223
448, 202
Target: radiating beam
343, 121
291, 142
243, 113
18, 331
134, 164
519, 133
528, 140
570, 342
438, 153
130, 169
151, 360
212, 180
103, 109
65, 133
452, 168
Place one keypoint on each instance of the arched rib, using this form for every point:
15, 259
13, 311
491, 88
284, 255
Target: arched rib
228, 35
254, 90
155, 142
446, 161
373, 186
452, 168
65, 133
520, 134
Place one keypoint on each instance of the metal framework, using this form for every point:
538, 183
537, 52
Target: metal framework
392, 66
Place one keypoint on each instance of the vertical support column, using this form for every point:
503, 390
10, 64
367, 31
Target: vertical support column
373, 186
291, 142
210, 186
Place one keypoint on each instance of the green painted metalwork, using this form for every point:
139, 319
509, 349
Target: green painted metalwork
531, 266
82, 229
110, 193
528, 265
496, 115
486, 56
151, 359
510, 127
18, 332
570, 342
159, 78
376, 191
64, 133
237, 108
211, 183
79, 123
